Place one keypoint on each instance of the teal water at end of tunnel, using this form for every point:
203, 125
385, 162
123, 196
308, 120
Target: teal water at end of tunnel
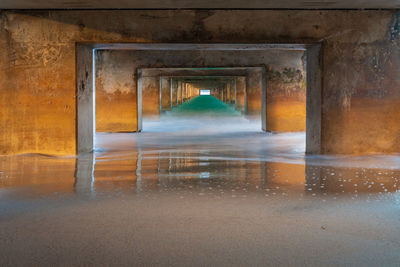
204, 105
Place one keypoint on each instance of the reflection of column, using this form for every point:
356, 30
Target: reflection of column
313, 178
264, 177
84, 173
139, 171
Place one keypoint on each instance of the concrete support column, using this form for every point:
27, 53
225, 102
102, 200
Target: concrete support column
140, 101
263, 101
85, 98
165, 93
233, 92
179, 93
228, 93
171, 97
184, 92
254, 88
241, 94
190, 92
151, 96
314, 100
174, 92
195, 91
187, 92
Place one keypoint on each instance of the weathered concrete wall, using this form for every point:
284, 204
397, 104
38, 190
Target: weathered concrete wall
286, 99
361, 92
116, 98
151, 97
254, 87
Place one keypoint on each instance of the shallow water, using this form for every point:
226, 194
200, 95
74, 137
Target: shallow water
200, 191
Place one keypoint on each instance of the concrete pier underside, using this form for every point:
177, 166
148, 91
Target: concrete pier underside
360, 74
199, 192
200, 137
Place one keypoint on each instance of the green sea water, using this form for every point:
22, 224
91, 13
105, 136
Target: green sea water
204, 105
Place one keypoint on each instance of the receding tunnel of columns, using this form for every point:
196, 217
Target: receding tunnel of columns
179, 95
165, 88
231, 81
148, 100
178, 90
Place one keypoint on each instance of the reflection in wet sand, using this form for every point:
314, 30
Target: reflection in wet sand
216, 187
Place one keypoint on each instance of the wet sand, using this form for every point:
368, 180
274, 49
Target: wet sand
200, 191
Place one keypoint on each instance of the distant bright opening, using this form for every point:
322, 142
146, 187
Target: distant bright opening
205, 92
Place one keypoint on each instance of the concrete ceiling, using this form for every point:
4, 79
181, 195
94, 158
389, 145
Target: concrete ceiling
195, 4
